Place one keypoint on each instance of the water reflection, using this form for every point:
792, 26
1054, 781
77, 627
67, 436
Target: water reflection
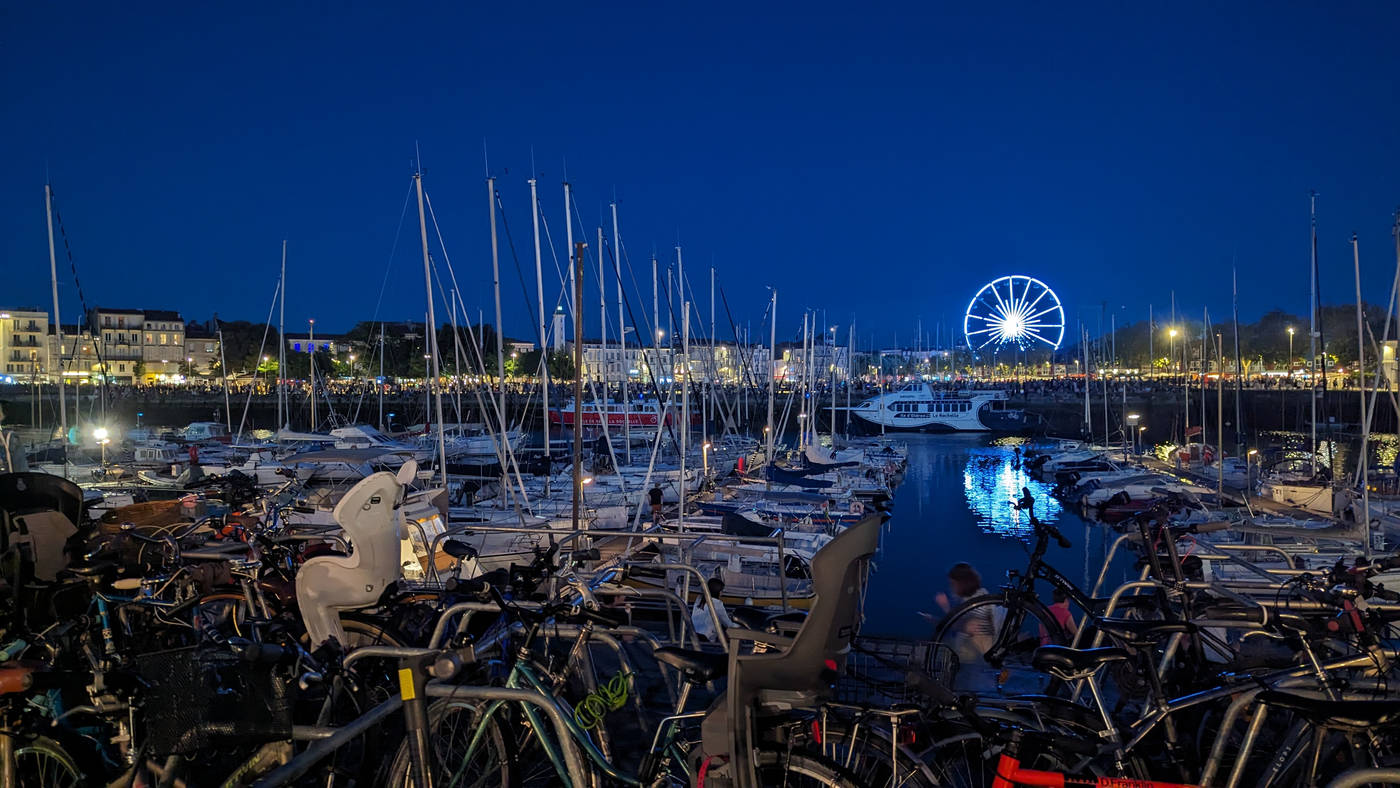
1337, 452
992, 480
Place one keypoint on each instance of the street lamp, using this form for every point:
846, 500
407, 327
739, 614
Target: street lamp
1290, 352
100, 435
1133, 419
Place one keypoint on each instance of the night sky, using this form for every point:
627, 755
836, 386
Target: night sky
878, 162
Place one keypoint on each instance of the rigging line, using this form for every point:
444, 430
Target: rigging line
524, 289
82, 299
267, 326
519, 274
662, 421
505, 454
389, 264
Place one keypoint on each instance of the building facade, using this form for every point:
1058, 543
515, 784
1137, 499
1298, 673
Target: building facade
139, 345
201, 352
723, 364
23, 344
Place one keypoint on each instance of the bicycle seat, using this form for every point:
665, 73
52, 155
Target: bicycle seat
1063, 660
459, 550
16, 678
1142, 633
698, 667
1335, 713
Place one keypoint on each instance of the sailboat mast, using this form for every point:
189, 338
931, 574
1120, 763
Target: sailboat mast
772, 372
58, 322
576, 275
831, 362
850, 369
623, 396
1362, 459
685, 400
431, 320
544, 343
1312, 328
710, 367
1239, 366
1084, 347
311, 367
500, 338
379, 384
223, 372
602, 327
282, 416
802, 412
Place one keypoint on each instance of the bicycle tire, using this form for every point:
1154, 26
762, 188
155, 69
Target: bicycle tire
795, 769
865, 751
1038, 627
44, 763
489, 766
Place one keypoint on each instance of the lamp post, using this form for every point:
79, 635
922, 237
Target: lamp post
100, 435
1290, 353
269, 372
1133, 419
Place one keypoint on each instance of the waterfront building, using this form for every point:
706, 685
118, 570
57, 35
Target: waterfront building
722, 363
23, 344
335, 344
73, 353
201, 351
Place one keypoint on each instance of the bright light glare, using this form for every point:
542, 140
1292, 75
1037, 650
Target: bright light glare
100, 434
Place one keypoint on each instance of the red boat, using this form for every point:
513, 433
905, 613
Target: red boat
636, 414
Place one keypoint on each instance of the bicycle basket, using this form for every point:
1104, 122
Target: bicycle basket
878, 668
196, 696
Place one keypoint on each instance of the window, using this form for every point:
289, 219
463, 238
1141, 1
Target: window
121, 367
163, 338
107, 337
208, 347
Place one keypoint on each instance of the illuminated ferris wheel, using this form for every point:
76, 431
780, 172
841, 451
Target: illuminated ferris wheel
1016, 311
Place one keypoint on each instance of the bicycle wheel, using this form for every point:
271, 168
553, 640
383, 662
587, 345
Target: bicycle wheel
43, 763
459, 761
865, 750
965, 631
795, 769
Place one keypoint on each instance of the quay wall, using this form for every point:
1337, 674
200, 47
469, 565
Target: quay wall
1063, 412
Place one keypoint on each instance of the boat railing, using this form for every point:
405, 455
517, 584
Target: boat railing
653, 533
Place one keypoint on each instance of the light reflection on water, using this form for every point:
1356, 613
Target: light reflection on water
1338, 452
992, 480
955, 505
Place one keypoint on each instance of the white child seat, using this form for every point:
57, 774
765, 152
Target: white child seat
328, 584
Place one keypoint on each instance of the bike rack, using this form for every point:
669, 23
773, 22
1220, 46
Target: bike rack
298, 766
572, 759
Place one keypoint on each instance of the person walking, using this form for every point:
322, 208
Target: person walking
701, 619
654, 495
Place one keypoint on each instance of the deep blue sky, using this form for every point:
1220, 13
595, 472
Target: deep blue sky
876, 161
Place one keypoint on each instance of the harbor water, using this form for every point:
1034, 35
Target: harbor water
956, 505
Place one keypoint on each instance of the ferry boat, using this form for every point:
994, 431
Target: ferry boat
918, 408
201, 431
641, 414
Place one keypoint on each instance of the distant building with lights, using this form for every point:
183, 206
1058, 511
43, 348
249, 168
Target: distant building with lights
23, 343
